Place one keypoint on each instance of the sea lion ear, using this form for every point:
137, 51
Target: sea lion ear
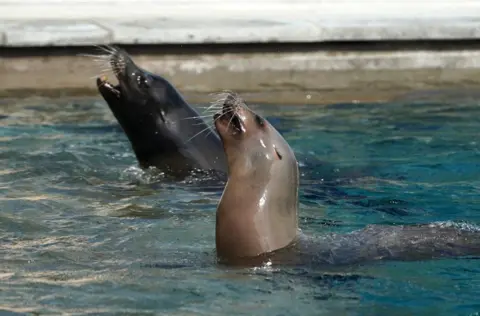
160, 95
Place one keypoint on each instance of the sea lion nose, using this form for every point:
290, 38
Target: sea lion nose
229, 103
226, 108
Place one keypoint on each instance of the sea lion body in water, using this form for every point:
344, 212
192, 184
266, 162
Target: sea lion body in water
163, 129
257, 212
257, 218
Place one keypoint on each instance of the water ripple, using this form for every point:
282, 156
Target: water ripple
84, 230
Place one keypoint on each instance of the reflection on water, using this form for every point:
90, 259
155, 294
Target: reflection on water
84, 230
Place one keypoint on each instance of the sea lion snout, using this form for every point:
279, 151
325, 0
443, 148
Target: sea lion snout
110, 92
232, 119
130, 77
119, 60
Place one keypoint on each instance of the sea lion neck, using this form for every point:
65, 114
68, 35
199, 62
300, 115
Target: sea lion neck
253, 219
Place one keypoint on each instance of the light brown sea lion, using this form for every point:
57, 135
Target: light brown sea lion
258, 209
257, 216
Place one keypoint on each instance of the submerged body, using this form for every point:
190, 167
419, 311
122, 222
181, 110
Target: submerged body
163, 129
379, 242
257, 216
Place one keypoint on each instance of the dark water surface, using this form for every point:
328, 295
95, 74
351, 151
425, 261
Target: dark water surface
83, 230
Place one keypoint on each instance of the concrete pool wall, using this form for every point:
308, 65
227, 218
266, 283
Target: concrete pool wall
272, 51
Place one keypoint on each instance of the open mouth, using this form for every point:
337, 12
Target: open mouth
105, 86
230, 118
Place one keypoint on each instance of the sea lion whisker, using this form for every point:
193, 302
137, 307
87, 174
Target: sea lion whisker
103, 60
196, 117
223, 96
117, 70
103, 63
109, 49
101, 73
210, 132
222, 114
210, 109
205, 106
95, 76
213, 107
118, 66
105, 69
209, 127
220, 99
97, 58
212, 113
199, 123
104, 52
197, 134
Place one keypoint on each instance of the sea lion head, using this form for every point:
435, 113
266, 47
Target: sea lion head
257, 213
159, 123
136, 86
145, 106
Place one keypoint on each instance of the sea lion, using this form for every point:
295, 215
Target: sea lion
163, 129
257, 217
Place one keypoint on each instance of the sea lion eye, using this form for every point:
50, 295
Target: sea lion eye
278, 154
142, 82
259, 121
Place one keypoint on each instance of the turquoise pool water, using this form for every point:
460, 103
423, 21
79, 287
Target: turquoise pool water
84, 231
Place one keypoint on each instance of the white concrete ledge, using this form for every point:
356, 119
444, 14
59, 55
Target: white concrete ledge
268, 77
75, 22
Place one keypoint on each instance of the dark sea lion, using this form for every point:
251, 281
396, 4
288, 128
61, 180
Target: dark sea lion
163, 129
257, 218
